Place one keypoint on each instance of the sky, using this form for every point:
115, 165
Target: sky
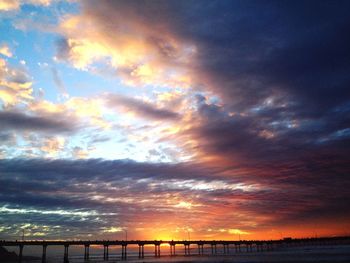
164, 119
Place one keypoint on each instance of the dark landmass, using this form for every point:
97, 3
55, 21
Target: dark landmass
6, 256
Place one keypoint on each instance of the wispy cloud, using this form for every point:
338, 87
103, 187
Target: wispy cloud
141, 108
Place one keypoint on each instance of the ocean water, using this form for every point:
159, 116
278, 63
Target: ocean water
299, 254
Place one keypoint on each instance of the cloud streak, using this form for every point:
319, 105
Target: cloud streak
125, 191
21, 122
141, 108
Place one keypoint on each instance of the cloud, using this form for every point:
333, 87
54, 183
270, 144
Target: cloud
58, 82
53, 146
9, 5
126, 194
40, 2
89, 111
140, 55
79, 153
12, 120
247, 60
15, 85
113, 229
273, 81
141, 108
5, 50
237, 232
13, 5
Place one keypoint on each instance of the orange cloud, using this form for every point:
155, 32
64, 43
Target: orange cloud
53, 146
79, 108
5, 50
140, 54
12, 5
9, 5
13, 91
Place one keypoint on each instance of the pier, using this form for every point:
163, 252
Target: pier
242, 246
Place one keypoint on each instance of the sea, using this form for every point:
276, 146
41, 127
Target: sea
295, 254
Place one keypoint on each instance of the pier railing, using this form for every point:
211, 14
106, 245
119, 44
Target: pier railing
236, 246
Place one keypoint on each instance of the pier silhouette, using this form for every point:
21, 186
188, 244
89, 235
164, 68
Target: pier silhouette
242, 246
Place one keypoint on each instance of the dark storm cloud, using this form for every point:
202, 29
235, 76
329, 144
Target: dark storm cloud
308, 163
298, 55
250, 50
269, 134
11, 120
141, 108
